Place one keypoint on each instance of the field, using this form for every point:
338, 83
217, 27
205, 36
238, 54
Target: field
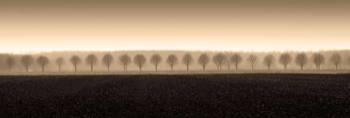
211, 95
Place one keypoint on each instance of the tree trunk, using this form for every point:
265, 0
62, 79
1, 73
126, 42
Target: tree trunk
42, 68
125, 68
318, 67
59, 68
203, 66
91, 68
27, 68
156, 67
188, 67
75, 68
108, 68
336, 67
236, 66
302, 67
285, 67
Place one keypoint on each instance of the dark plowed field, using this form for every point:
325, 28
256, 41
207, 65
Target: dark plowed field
118, 96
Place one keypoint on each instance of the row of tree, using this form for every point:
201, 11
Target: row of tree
204, 59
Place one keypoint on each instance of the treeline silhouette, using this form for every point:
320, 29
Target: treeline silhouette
172, 60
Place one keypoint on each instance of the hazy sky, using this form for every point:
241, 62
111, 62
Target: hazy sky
260, 25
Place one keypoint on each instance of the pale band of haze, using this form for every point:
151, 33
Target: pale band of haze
250, 25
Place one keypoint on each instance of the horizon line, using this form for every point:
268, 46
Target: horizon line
168, 50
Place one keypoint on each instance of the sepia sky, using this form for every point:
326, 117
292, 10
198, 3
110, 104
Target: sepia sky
249, 25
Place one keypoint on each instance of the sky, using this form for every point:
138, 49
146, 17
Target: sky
216, 25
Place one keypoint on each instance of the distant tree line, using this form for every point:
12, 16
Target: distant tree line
219, 59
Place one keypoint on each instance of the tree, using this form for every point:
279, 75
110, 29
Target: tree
219, 60
301, 60
252, 59
236, 59
27, 61
172, 60
155, 60
10, 62
203, 60
125, 60
285, 59
140, 61
43, 61
107, 61
268, 61
318, 60
227, 61
187, 60
59, 62
91, 60
336, 60
75, 60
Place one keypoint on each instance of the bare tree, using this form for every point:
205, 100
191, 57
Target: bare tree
301, 60
228, 61
91, 60
236, 59
172, 61
203, 60
10, 62
125, 60
140, 61
285, 59
59, 62
155, 60
75, 60
336, 60
318, 60
43, 61
268, 61
187, 60
252, 59
107, 61
27, 61
219, 60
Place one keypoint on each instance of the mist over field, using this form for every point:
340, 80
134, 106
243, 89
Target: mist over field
117, 66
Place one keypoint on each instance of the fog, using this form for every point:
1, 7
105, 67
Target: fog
116, 65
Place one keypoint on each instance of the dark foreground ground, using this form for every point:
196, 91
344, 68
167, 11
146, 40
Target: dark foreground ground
118, 96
